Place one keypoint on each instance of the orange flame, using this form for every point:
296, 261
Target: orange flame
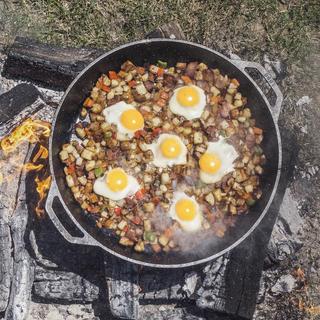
42, 188
42, 153
30, 167
30, 130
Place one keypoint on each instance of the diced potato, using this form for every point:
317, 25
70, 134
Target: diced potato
70, 181
110, 95
96, 108
249, 188
147, 178
82, 180
139, 247
114, 83
149, 206
217, 194
156, 121
163, 188
122, 224
80, 133
86, 154
147, 225
79, 161
233, 209
210, 198
237, 103
205, 115
125, 241
63, 155
141, 89
90, 165
165, 178
197, 138
163, 240
215, 91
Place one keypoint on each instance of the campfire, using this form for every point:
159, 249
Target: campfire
57, 271
32, 131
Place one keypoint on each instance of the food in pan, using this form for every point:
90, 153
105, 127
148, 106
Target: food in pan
165, 151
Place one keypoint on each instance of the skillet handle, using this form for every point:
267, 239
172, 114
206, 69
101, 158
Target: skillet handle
276, 106
53, 193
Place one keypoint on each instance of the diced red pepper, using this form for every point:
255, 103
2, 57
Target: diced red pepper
71, 168
126, 228
113, 75
140, 194
257, 130
136, 220
132, 83
186, 79
140, 70
117, 211
88, 103
155, 200
105, 88
160, 72
156, 131
140, 133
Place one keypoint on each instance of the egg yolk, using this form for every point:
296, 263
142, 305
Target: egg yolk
117, 180
209, 163
185, 209
132, 120
170, 148
188, 96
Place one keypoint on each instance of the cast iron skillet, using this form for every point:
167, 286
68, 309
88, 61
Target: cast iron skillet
60, 204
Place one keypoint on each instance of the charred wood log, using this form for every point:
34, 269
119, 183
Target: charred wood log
63, 286
171, 30
48, 65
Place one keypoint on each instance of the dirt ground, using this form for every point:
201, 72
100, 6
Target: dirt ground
286, 31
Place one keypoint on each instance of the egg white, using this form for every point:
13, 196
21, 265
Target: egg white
227, 155
188, 112
188, 226
159, 160
101, 188
112, 116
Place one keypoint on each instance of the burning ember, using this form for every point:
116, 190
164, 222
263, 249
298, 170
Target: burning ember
31, 131
42, 189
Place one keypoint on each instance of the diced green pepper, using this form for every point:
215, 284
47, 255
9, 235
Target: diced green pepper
162, 64
258, 150
98, 172
149, 236
222, 133
107, 135
250, 202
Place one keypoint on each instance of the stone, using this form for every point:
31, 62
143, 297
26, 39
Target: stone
54, 315
285, 284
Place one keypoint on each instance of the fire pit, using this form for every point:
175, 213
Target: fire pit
45, 269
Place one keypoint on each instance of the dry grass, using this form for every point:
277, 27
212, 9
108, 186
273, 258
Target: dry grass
247, 26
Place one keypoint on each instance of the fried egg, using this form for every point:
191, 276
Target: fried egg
217, 161
186, 211
188, 101
168, 150
116, 184
127, 119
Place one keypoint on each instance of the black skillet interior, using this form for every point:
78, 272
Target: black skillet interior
171, 52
